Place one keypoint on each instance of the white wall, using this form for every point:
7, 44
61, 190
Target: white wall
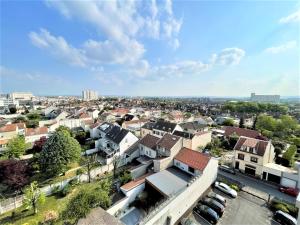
175, 207
127, 141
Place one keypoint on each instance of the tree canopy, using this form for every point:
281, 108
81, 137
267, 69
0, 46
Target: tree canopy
59, 150
33, 197
254, 107
14, 173
16, 147
290, 154
81, 204
228, 122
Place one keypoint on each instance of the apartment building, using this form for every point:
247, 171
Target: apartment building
89, 95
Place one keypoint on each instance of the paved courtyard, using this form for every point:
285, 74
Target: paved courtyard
244, 210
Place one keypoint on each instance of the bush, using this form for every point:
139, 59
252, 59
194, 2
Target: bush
50, 217
282, 207
125, 178
73, 182
235, 187
66, 190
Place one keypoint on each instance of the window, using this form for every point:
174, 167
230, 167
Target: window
241, 156
192, 170
253, 159
177, 163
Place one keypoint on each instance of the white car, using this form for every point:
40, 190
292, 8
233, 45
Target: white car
226, 189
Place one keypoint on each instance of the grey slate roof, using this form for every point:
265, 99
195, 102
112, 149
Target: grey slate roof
148, 125
183, 134
164, 126
116, 134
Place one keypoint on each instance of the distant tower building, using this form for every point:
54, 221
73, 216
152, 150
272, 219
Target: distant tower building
26, 96
89, 95
265, 98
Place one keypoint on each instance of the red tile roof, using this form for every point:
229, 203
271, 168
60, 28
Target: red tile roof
95, 125
149, 141
3, 141
242, 132
36, 131
21, 125
8, 128
259, 145
194, 159
134, 183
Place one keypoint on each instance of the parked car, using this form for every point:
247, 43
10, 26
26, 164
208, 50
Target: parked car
216, 206
226, 189
227, 169
217, 197
284, 218
207, 213
290, 191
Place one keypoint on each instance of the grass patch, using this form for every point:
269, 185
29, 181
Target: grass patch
53, 202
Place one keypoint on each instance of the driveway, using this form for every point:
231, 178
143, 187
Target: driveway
258, 187
243, 210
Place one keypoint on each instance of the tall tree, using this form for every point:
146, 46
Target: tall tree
33, 197
59, 150
90, 162
242, 122
14, 173
16, 147
116, 161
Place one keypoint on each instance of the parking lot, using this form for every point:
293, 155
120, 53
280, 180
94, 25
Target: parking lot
243, 210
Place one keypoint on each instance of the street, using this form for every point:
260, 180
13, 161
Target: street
258, 187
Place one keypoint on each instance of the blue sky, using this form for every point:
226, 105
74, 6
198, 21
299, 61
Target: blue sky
150, 48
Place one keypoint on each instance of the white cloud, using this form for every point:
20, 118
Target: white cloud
90, 53
121, 20
58, 47
228, 56
281, 48
292, 18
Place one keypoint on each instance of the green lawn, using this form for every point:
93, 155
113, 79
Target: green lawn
54, 203
26, 217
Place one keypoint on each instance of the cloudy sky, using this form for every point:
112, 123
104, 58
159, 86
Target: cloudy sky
150, 48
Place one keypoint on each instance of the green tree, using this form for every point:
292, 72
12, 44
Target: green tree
125, 177
90, 161
59, 150
64, 128
33, 197
228, 122
290, 154
16, 147
116, 163
265, 122
242, 122
81, 204
34, 116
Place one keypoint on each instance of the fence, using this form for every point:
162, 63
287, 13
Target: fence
15, 202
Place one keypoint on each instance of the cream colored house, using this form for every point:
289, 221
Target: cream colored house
251, 155
194, 141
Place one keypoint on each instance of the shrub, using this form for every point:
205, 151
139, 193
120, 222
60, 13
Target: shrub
235, 187
282, 207
66, 190
73, 182
50, 217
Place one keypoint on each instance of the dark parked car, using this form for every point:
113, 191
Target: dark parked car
290, 191
217, 197
207, 213
216, 206
284, 218
226, 169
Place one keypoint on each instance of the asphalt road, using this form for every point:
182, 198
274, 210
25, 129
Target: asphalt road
243, 210
258, 187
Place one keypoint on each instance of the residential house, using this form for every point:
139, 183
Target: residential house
250, 155
229, 131
34, 134
196, 140
147, 128
191, 161
162, 127
94, 113
114, 140
192, 127
9, 131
